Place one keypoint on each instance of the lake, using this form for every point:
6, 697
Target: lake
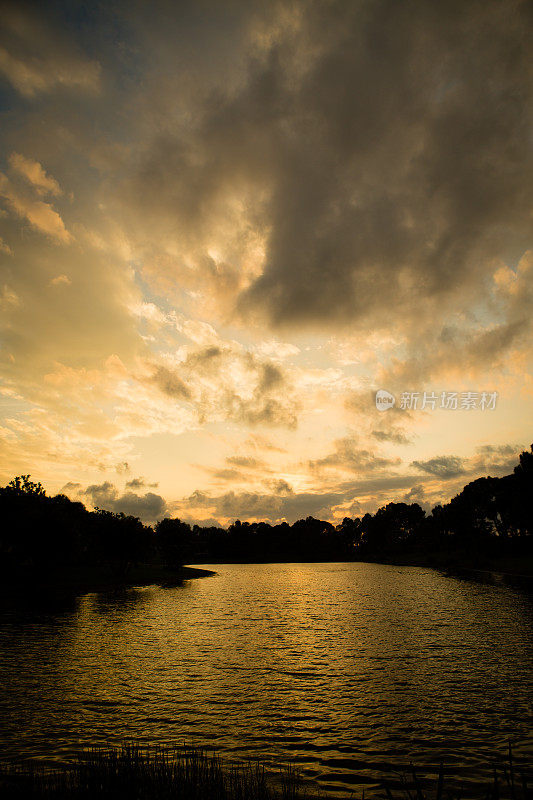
349, 670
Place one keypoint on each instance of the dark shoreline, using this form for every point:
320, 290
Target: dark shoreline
88, 581
94, 580
511, 567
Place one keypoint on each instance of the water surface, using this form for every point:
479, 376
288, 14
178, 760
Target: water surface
349, 670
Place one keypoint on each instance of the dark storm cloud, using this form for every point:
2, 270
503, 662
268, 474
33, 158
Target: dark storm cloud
383, 150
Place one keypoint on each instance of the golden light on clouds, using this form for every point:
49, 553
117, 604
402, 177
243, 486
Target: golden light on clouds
218, 241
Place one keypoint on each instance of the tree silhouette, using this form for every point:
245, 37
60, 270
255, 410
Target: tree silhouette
174, 541
490, 518
23, 485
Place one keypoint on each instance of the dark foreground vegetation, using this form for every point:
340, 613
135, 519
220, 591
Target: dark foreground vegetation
488, 525
134, 773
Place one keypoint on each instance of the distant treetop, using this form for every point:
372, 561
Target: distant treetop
23, 485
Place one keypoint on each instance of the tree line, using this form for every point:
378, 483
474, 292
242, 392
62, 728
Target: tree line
489, 518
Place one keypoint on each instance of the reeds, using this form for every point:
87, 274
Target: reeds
133, 772
507, 783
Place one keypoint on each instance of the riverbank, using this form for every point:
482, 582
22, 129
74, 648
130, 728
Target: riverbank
513, 566
82, 580
519, 567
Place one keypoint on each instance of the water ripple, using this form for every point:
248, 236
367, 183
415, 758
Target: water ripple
351, 671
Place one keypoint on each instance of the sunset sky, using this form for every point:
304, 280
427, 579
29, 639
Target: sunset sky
225, 225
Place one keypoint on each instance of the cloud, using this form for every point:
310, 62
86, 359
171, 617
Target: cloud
8, 299
459, 350
33, 172
354, 162
139, 483
442, 466
488, 459
334, 201
416, 494
228, 475
394, 436
101, 493
244, 461
170, 383
254, 505
281, 502
383, 195
225, 381
280, 487
239, 469
148, 507
199, 332
71, 486
5, 248
278, 350
36, 56
363, 402
40, 215
491, 459
256, 442
60, 280
348, 456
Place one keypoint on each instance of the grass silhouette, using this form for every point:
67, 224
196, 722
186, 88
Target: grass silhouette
134, 772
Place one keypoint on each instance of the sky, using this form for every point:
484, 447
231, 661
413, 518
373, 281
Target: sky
225, 226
